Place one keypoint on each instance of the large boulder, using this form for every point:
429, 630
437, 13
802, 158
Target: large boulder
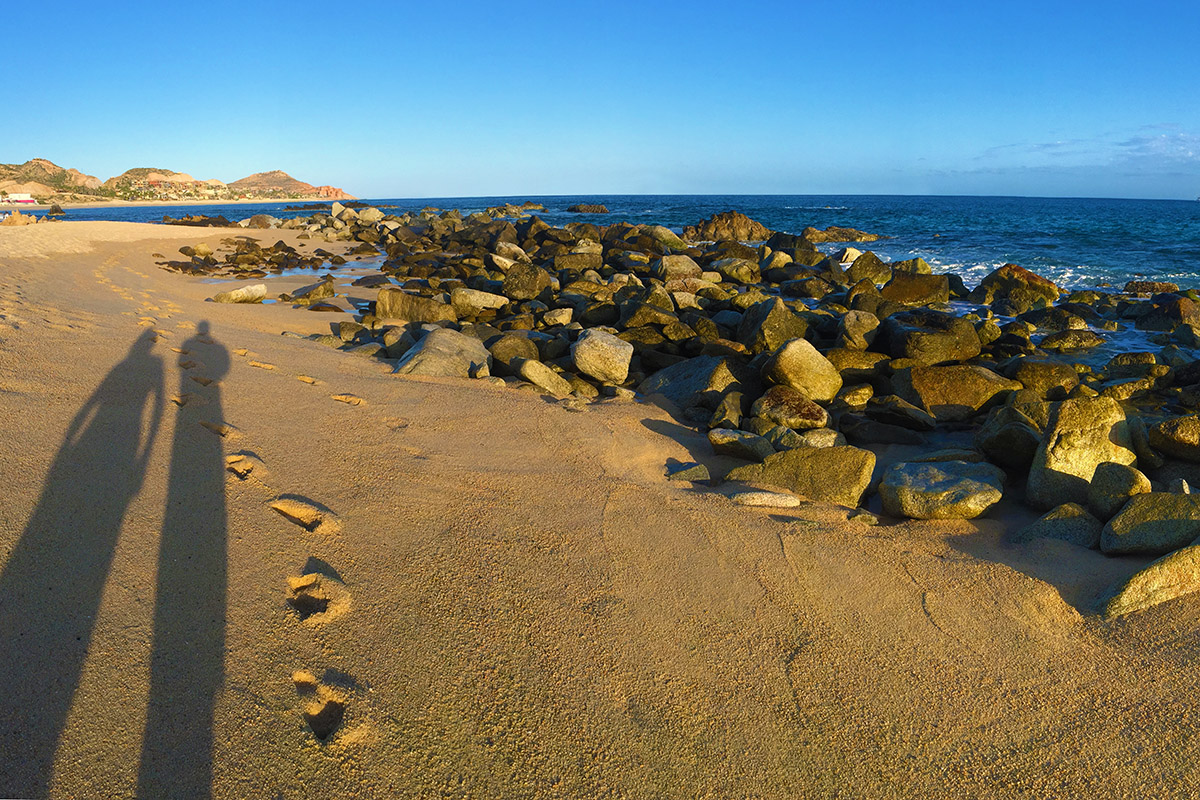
727, 226
831, 474
1010, 437
856, 330
768, 324
914, 289
799, 365
602, 356
737, 270
470, 302
1051, 380
1018, 286
1178, 437
1111, 487
446, 353
1154, 523
928, 337
952, 393
395, 303
786, 406
1171, 576
525, 282
673, 268
869, 267
542, 377
1082, 433
941, 490
699, 381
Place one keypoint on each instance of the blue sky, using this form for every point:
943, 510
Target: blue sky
407, 99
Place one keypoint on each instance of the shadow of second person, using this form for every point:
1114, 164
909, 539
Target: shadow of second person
187, 663
52, 583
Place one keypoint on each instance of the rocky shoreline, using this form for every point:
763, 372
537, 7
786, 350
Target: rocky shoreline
805, 365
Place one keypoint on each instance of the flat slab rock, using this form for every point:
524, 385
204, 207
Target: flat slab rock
829, 474
1174, 575
765, 499
941, 490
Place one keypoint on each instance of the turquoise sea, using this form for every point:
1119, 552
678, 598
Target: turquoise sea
1075, 242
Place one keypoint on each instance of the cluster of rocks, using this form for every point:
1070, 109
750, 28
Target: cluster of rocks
807, 365
244, 257
586, 208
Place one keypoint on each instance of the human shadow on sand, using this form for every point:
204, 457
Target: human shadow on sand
187, 665
52, 582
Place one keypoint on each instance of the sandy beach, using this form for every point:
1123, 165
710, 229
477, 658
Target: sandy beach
495, 595
153, 203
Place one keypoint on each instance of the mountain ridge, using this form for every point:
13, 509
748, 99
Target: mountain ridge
47, 181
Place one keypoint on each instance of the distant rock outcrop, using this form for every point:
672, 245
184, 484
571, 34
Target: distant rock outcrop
279, 183
586, 208
727, 226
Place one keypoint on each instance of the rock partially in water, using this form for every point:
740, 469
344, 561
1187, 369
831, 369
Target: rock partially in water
246, 294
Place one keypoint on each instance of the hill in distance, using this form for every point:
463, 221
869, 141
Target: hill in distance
40, 177
47, 181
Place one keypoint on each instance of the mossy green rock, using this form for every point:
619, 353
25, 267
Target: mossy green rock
941, 490
1154, 523
1081, 434
831, 474
1174, 575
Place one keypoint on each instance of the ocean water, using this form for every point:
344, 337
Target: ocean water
1075, 242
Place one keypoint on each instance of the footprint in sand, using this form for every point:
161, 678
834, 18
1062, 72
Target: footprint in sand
245, 465
241, 351
222, 429
308, 514
190, 363
317, 598
181, 351
200, 379
307, 379
396, 423
261, 365
188, 399
349, 399
324, 706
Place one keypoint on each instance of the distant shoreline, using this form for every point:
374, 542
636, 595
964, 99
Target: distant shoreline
144, 203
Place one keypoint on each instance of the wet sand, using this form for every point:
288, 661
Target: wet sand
504, 598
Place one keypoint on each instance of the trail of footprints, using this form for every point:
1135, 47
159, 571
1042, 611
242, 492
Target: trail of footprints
316, 596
